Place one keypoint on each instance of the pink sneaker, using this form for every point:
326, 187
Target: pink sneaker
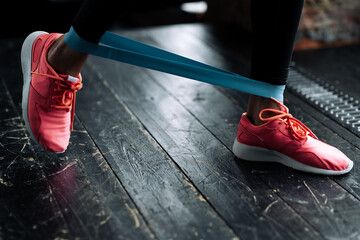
48, 102
286, 140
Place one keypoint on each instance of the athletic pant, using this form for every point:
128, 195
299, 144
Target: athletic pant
274, 25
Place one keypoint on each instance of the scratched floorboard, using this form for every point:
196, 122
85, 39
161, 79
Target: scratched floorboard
225, 44
166, 197
20, 185
151, 157
330, 193
201, 99
231, 46
235, 192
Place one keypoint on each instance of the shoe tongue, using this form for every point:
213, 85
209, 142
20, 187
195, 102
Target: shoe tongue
69, 78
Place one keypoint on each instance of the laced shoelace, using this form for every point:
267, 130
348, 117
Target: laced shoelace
296, 126
67, 94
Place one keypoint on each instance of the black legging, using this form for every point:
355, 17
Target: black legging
274, 25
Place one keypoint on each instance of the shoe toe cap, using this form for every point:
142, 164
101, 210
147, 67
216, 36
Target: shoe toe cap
54, 143
54, 131
326, 156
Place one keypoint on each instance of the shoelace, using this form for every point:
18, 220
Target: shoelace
67, 94
296, 126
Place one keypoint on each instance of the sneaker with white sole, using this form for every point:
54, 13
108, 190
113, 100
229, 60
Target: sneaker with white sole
284, 139
48, 101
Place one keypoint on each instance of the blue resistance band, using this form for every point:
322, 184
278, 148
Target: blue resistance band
118, 48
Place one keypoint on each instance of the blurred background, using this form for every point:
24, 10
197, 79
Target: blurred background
324, 22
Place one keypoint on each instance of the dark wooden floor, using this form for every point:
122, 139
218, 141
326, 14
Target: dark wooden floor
150, 156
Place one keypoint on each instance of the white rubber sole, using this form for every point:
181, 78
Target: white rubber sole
26, 53
259, 154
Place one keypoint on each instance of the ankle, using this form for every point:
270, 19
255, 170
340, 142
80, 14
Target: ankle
64, 59
256, 104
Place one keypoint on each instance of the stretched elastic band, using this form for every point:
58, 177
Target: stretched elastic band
125, 50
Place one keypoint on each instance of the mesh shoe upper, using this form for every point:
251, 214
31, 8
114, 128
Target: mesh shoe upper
287, 135
51, 98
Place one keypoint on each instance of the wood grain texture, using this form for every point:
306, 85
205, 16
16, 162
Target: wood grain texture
166, 197
193, 96
28, 207
325, 128
235, 192
150, 156
331, 192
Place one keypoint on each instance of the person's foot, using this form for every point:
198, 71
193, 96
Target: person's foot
284, 139
48, 102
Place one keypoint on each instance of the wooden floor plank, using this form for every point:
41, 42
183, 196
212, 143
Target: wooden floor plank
28, 205
338, 219
175, 87
89, 199
340, 141
325, 128
329, 190
95, 200
158, 161
165, 196
236, 193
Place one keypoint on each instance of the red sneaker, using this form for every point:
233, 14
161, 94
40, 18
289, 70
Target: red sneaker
48, 102
286, 140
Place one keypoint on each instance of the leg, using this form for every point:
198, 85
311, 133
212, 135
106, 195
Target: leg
267, 132
51, 71
274, 26
64, 59
91, 22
